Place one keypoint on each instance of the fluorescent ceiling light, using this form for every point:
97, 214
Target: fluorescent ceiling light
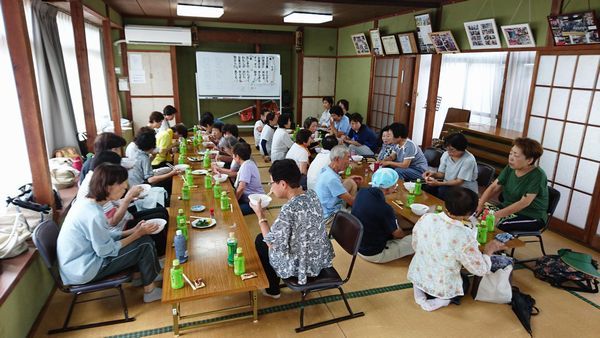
199, 11
299, 17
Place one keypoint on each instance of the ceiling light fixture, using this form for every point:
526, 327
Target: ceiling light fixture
300, 17
199, 11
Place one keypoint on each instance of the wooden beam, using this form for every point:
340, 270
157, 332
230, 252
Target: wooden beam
247, 37
111, 77
175, 76
405, 3
434, 79
300, 79
31, 116
84, 71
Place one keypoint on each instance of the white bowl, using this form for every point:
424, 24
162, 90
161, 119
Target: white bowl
262, 198
410, 186
317, 149
419, 209
145, 190
220, 164
220, 178
158, 221
357, 158
181, 167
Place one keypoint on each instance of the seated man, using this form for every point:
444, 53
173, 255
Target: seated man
383, 241
408, 159
296, 245
361, 139
340, 123
321, 161
247, 181
334, 193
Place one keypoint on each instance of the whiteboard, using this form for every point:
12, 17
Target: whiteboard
237, 75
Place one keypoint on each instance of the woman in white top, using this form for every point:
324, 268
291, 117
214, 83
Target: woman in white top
325, 116
258, 127
282, 141
443, 244
300, 154
266, 136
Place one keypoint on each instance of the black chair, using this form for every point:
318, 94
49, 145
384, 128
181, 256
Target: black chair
485, 174
433, 156
553, 198
44, 238
347, 230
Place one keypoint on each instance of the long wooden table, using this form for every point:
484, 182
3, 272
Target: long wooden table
207, 250
362, 169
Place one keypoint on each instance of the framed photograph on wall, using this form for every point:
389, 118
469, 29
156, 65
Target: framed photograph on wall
518, 35
376, 42
483, 34
360, 44
423, 23
574, 29
444, 42
389, 45
408, 44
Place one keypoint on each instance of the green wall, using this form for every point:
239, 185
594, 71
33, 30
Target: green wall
320, 41
401, 23
20, 310
352, 82
345, 44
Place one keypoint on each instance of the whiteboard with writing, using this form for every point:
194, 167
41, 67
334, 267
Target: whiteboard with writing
237, 75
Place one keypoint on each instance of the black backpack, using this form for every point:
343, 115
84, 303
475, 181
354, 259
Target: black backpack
553, 270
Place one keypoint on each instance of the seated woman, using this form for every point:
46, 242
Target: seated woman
104, 141
388, 146
458, 168
232, 167
248, 178
361, 139
383, 240
442, 244
282, 141
164, 141
300, 154
266, 136
100, 253
312, 124
216, 135
524, 189
258, 127
408, 159
296, 245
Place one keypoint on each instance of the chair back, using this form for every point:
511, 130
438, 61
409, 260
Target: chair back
433, 156
485, 174
45, 238
553, 198
347, 230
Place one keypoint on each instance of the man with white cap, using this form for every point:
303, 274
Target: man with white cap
383, 240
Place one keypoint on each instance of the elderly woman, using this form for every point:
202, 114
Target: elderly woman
282, 141
296, 245
457, 168
443, 244
524, 189
228, 143
87, 251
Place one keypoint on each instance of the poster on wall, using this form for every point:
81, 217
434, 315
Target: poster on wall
444, 42
574, 29
360, 44
389, 45
517, 36
408, 43
423, 23
483, 34
376, 42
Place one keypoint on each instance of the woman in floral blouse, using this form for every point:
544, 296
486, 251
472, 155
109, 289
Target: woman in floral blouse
443, 244
296, 245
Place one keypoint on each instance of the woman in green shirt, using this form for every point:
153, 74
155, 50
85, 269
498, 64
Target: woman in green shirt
524, 189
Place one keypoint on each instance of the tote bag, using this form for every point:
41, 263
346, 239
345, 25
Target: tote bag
495, 287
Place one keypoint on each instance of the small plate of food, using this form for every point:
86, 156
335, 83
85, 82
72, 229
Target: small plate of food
204, 222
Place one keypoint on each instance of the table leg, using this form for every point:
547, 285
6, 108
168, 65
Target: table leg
255, 305
175, 309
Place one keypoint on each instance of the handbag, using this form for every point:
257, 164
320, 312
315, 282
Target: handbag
13, 239
495, 287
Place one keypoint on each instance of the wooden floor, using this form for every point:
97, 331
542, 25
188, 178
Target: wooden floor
381, 291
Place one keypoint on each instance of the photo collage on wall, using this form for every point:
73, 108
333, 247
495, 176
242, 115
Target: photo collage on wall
360, 44
423, 23
444, 42
252, 69
482, 34
518, 36
574, 29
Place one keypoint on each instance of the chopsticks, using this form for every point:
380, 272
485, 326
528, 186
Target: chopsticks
397, 204
189, 282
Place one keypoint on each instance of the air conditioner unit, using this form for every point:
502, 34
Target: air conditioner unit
158, 35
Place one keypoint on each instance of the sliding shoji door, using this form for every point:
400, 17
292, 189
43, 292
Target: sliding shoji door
385, 91
564, 116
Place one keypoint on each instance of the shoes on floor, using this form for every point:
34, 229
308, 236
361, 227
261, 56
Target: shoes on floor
265, 293
153, 295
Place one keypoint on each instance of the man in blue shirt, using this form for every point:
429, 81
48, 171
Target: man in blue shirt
340, 123
334, 193
383, 241
362, 139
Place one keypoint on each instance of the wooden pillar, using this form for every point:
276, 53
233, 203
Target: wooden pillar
555, 9
175, 77
31, 116
125, 73
300, 78
84, 71
111, 77
434, 79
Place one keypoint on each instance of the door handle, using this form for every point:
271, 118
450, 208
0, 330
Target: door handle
407, 104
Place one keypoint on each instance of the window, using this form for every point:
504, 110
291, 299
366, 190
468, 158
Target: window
421, 101
471, 81
385, 89
97, 72
516, 93
18, 172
